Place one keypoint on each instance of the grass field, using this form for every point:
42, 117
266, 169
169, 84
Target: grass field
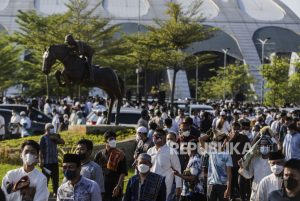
4, 168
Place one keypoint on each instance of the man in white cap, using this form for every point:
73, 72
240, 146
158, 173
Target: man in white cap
49, 155
25, 123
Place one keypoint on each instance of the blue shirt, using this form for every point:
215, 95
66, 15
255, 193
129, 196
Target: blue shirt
295, 146
84, 190
194, 166
48, 149
217, 168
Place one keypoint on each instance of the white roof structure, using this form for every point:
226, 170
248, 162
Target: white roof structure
241, 23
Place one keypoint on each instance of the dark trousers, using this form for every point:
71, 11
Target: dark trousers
54, 175
194, 197
216, 192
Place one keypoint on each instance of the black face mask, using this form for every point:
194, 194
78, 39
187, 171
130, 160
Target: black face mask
290, 183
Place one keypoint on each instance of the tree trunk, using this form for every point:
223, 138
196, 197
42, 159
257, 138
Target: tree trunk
173, 88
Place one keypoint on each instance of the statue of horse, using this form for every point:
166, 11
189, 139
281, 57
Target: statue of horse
75, 72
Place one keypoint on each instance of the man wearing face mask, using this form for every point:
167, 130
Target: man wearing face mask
273, 181
77, 187
146, 185
258, 167
89, 169
192, 182
144, 143
26, 183
219, 175
164, 161
291, 183
184, 137
14, 124
25, 124
291, 144
113, 163
49, 155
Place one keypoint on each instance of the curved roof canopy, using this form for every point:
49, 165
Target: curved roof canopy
220, 40
3, 4
280, 40
126, 8
50, 6
294, 5
265, 10
208, 9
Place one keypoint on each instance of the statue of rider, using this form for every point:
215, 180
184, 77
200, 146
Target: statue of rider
82, 49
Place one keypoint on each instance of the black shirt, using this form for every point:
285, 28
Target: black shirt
280, 195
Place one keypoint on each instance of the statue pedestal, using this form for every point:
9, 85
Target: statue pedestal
99, 129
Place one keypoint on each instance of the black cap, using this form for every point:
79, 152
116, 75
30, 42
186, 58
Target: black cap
109, 134
72, 158
276, 155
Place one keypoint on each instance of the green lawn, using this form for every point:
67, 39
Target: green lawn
4, 168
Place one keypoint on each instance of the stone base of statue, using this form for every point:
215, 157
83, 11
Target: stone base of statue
99, 129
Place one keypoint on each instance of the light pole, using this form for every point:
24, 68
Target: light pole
225, 51
138, 71
263, 42
196, 90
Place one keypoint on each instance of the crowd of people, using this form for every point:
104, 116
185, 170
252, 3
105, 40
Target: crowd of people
239, 152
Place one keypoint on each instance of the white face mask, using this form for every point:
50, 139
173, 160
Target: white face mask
142, 168
51, 130
264, 150
112, 143
277, 169
172, 144
186, 133
29, 159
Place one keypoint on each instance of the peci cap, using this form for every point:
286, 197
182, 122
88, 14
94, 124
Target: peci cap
276, 156
72, 158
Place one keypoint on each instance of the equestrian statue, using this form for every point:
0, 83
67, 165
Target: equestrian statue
76, 57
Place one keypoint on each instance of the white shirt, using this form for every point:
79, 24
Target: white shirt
24, 130
15, 119
175, 126
2, 125
163, 160
258, 169
37, 180
47, 109
225, 128
287, 146
267, 185
100, 120
55, 123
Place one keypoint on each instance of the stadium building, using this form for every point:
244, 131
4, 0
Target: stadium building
249, 30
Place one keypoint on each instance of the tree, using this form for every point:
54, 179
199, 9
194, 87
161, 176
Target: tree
276, 76
176, 33
38, 32
144, 51
230, 81
10, 61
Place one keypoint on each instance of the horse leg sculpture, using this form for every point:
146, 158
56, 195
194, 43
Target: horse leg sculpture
58, 76
118, 111
112, 100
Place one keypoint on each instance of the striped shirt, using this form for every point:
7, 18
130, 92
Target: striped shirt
48, 149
